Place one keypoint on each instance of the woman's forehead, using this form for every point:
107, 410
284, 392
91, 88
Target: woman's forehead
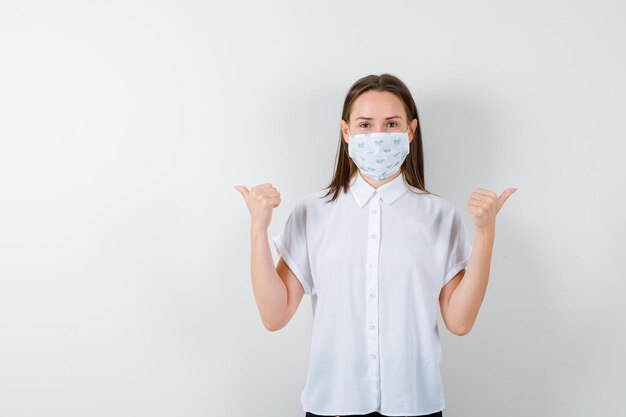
377, 105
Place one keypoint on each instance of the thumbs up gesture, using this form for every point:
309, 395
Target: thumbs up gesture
485, 204
261, 200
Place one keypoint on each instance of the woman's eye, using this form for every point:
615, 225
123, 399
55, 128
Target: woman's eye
365, 125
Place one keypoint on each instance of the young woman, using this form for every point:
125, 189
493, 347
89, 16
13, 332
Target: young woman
377, 253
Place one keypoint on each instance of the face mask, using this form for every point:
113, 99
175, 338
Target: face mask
379, 154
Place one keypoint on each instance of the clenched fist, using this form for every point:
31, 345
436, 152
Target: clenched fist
261, 200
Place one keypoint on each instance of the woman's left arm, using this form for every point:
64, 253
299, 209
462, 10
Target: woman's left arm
461, 298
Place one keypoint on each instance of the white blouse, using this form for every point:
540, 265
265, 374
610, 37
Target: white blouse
374, 262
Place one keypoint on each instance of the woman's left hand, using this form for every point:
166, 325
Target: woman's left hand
485, 204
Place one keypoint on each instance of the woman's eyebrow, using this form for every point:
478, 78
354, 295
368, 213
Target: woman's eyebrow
371, 118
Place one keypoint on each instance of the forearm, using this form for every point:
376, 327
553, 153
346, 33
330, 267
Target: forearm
269, 289
467, 297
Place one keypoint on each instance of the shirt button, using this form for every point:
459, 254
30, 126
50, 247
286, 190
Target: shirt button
373, 356
372, 295
374, 211
374, 236
371, 265
372, 327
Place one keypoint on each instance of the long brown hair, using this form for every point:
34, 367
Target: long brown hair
413, 166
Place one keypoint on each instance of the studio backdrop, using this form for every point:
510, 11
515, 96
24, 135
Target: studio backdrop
125, 286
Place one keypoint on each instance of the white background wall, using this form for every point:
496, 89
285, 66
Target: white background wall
125, 286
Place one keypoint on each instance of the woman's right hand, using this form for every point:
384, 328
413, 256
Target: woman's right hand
260, 199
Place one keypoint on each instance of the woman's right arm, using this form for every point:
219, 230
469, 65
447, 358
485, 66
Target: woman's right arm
276, 289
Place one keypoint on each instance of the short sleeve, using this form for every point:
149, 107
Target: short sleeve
291, 244
459, 247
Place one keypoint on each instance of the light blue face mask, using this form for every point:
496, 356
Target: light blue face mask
379, 154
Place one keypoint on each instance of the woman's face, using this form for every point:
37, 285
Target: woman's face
377, 111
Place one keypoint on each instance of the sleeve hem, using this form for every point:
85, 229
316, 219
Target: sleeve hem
282, 251
453, 271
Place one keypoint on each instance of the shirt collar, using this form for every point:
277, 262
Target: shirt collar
389, 192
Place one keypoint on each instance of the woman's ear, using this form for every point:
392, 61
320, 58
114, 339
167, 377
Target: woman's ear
344, 130
412, 129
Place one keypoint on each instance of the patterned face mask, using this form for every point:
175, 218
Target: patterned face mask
379, 154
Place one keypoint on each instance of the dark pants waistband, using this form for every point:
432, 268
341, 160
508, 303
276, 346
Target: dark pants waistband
375, 414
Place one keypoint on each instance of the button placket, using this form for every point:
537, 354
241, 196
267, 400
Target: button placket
372, 269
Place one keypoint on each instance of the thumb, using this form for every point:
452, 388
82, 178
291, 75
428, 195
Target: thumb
243, 190
505, 194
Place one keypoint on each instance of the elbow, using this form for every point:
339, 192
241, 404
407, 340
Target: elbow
459, 325
273, 327
270, 327
460, 330
275, 320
